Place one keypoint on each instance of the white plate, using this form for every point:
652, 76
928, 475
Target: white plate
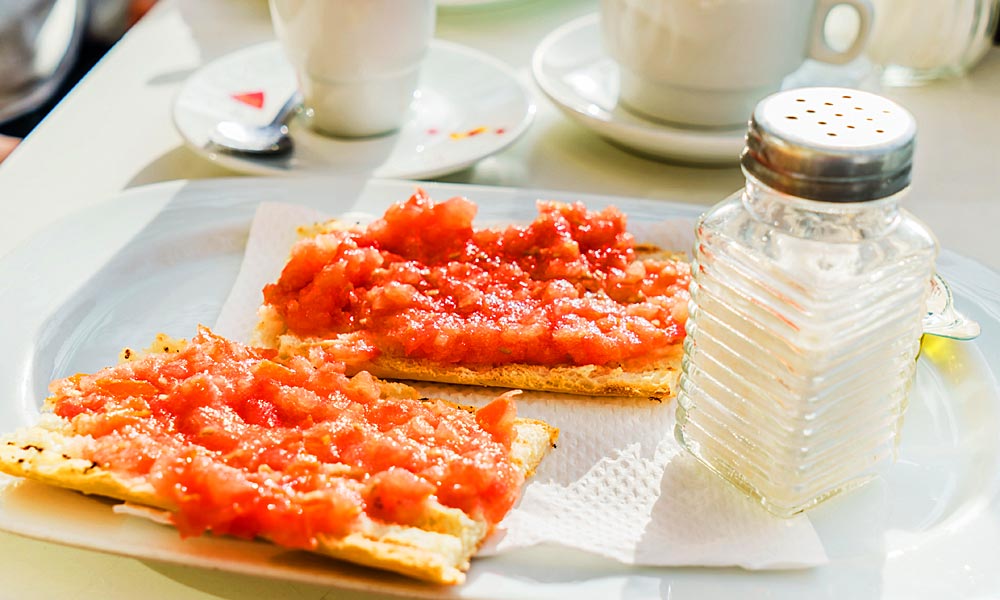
461, 91
165, 256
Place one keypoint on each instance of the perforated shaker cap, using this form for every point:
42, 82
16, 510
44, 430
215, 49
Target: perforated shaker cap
830, 144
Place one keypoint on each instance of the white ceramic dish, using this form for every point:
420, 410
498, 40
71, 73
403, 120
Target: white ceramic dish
468, 106
163, 258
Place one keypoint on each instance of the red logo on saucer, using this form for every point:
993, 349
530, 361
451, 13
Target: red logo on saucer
254, 99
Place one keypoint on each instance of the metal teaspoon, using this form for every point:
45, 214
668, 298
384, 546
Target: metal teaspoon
272, 138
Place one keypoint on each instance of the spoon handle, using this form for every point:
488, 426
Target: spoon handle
943, 319
291, 105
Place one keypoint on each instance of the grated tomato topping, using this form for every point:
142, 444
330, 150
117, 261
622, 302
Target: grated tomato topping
422, 282
245, 444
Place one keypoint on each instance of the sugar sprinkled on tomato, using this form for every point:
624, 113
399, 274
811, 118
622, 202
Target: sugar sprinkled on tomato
246, 444
423, 283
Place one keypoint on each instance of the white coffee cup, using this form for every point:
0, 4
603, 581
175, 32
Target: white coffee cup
706, 63
357, 61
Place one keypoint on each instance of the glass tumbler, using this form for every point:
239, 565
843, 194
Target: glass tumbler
917, 41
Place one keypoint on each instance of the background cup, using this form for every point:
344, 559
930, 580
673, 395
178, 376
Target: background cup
707, 63
357, 61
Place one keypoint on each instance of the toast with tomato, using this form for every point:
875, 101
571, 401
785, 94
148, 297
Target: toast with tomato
224, 438
567, 303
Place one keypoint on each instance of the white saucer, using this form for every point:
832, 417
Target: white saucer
468, 106
570, 66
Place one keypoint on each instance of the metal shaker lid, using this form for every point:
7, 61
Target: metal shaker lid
830, 144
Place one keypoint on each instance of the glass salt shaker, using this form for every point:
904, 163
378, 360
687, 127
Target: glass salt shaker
807, 298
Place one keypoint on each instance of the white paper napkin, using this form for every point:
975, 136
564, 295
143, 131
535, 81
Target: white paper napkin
618, 484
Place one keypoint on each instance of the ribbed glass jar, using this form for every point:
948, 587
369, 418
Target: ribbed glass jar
805, 324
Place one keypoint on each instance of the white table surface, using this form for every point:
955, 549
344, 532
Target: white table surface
114, 132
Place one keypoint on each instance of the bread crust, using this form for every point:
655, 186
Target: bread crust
51, 453
657, 379
436, 549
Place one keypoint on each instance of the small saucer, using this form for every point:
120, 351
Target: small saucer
468, 106
570, 66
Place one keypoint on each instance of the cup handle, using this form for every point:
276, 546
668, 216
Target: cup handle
820, 50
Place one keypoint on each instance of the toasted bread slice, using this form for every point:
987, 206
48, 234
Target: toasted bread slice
437, 548
657, 378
